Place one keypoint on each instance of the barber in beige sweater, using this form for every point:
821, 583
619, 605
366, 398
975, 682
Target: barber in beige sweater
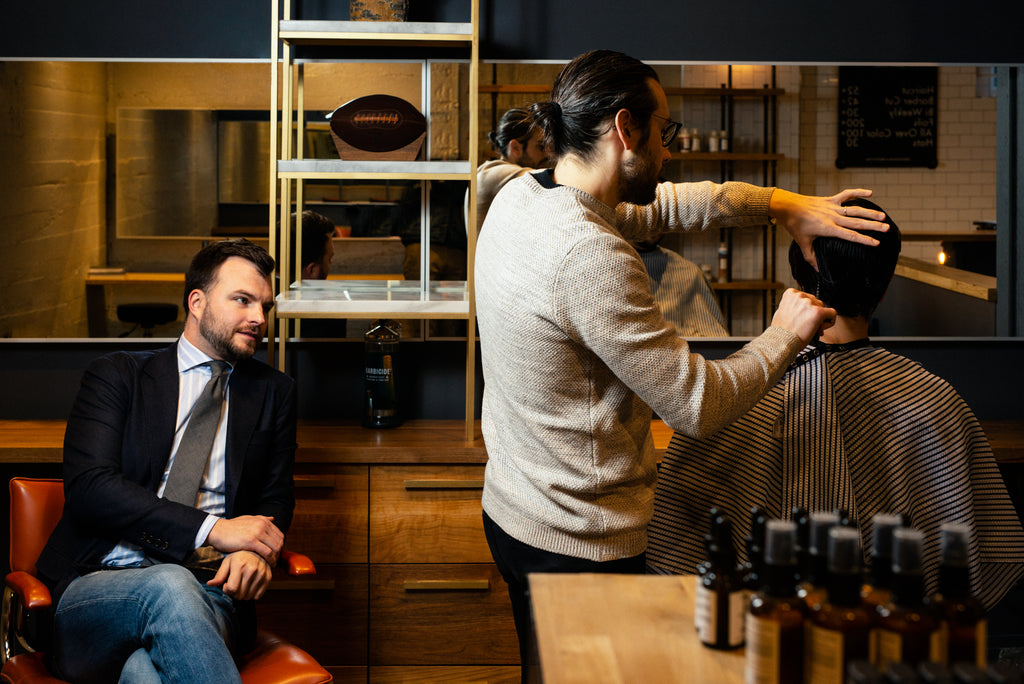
575, 352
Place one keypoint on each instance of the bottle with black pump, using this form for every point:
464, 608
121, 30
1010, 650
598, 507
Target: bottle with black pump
839, 625
720, 606
962, 617
908, 630
753, 568
803, 537
814, 577
775, 623
877, 590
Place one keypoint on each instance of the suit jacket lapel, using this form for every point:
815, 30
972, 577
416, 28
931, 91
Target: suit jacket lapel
159, 410
245, 407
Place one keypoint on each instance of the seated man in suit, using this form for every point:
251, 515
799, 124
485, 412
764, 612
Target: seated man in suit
849, 426
167, 536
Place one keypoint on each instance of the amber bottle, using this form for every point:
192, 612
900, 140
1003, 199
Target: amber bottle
775, 622
839, 624
814, 577
877, 590
961, 615
720, 607
753, 568
908, 629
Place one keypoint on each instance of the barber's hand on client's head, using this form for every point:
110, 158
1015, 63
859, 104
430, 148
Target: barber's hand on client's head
806, 217
803, 314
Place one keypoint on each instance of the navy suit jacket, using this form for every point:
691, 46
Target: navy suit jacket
116, 447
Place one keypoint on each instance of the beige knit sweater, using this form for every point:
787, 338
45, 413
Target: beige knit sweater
575, 355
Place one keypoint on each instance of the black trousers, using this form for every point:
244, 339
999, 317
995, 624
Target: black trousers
516, 560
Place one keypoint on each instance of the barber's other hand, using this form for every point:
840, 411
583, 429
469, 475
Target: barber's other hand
803, 315
242, 575
806, 217
256, 533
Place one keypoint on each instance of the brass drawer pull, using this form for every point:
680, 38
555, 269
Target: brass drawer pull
447, 585
301, 585
314, 481
444, 484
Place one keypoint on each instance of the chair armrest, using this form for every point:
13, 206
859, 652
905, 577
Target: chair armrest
297, 563
32, 593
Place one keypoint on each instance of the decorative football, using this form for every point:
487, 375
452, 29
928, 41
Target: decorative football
378, 123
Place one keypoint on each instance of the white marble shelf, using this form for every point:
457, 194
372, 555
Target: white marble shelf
374, 299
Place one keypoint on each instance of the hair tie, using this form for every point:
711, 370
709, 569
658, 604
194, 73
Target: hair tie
556, 109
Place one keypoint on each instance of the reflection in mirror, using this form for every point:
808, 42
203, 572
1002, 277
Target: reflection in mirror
166, 172
195, 164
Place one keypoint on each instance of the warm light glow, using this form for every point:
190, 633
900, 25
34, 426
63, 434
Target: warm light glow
942, 257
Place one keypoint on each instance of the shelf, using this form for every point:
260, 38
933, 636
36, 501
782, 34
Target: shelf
380, 33
724, 92
727, 156
752, 285
374, 299
669, 90
384, 170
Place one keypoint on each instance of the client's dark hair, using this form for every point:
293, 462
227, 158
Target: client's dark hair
851, 278
587, 94
316, 229
205, 265
515, 124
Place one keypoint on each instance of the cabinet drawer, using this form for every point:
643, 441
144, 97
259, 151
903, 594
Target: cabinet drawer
427, 514
331, 508
325, 615
440, 615
424, 674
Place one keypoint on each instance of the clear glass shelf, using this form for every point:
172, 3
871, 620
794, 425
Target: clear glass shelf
374, 299
316, 32
408, 170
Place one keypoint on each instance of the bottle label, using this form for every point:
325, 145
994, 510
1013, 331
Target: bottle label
888, 648
824, 655
704, 614
737, 617
764, 644
710, 621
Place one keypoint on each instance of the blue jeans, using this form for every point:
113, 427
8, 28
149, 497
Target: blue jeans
158, 619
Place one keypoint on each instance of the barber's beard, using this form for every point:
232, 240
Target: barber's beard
638, 180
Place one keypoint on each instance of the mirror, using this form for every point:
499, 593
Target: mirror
131, 166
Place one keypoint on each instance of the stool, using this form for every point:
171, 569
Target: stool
146, 315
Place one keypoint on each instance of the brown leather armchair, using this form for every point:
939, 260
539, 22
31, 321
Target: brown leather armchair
36, 506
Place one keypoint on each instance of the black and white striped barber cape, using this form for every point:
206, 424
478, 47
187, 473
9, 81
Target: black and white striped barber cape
856, 428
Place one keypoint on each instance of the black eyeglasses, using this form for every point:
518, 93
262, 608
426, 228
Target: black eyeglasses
668, 134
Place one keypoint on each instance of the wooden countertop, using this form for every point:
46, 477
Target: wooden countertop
417, 441
948, 278
624, 628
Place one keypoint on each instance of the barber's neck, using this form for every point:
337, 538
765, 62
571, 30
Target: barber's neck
846, 329
599, 178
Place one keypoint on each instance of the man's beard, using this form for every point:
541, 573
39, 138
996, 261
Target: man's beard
639, 181
222, 341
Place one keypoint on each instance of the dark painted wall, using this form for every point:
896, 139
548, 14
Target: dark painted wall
737, 31
40, 378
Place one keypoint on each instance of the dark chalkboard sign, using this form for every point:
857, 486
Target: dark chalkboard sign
888, 116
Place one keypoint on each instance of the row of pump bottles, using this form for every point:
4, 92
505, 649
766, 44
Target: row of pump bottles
808, 613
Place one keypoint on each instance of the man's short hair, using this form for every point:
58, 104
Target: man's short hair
515, 124
851, 278
588, 93
316, 229
205, 264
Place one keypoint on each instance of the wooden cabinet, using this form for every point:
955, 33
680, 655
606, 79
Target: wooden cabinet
440, 614
405, 589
